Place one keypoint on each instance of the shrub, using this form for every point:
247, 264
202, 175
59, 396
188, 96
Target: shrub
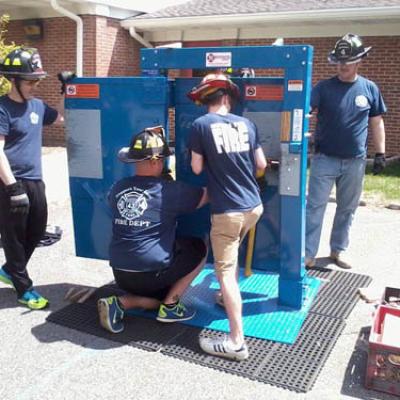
4, 50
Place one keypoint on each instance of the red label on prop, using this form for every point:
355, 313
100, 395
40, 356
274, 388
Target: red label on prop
83, 91
264, 92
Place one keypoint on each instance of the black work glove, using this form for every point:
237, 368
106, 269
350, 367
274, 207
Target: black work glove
19, 201
379, 163
64, 77
167, 174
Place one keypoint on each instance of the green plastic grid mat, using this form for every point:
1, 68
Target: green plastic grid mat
263, 317
294, 367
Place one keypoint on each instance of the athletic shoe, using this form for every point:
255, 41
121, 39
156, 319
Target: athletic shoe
110, 314
176, 314
309, 262
223, 347
33, 300
5, 278
337, 258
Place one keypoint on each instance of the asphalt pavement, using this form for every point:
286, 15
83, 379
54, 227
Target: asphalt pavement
41, 360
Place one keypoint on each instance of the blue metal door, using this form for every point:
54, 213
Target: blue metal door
264, 109
101, 115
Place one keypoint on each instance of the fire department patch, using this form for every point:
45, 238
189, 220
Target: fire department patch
132, 205
361, 101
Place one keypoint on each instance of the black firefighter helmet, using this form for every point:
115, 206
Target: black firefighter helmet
23, 63
348, 50
149, 144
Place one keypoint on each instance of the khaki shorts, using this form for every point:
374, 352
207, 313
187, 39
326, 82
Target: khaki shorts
227, 232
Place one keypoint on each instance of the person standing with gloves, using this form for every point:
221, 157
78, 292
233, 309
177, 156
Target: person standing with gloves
346, 105
23, 206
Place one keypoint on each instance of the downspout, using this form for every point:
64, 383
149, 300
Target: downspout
79, 34
139, 38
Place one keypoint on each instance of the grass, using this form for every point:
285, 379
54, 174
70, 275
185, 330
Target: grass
383, 188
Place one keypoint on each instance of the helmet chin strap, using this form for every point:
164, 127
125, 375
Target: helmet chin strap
17, 81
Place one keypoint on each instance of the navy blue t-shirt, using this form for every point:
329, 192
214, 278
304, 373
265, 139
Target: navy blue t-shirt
227, 144
343, 112
144, 220
21, 124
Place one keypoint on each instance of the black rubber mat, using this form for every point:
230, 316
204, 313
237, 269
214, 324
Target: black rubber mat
142, 332
338, 293
294, 367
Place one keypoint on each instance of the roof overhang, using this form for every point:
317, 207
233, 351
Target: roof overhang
29, 9
379, 21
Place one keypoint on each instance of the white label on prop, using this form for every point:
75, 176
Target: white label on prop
218, 59
71, 90
251, 91
295, 86
297, 128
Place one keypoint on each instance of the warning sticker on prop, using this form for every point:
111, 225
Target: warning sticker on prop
297, 128
219, 59
263, 92
83, 91
295, 86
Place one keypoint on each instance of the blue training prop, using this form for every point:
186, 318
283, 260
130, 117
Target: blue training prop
103, 112
263, 318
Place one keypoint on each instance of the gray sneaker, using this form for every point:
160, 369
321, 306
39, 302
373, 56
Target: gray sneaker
223, 347
309, 262
337, 258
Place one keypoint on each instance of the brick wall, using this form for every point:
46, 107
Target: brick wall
381, 66
108, 51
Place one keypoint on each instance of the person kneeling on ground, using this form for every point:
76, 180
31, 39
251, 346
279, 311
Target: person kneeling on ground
148, 261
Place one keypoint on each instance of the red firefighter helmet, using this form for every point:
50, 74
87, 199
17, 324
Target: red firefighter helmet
213, 86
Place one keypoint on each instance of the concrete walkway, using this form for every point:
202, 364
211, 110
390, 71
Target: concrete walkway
40, 360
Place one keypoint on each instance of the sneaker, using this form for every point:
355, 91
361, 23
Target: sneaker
5, 278
219, 299
223, 347
33, 300
175, 314
337, 258
309, 262
110, 314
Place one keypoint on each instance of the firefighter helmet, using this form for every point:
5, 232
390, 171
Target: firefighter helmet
150, 144
211, 87
24, 63
348, 50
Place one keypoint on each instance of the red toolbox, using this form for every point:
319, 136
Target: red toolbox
383, 367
